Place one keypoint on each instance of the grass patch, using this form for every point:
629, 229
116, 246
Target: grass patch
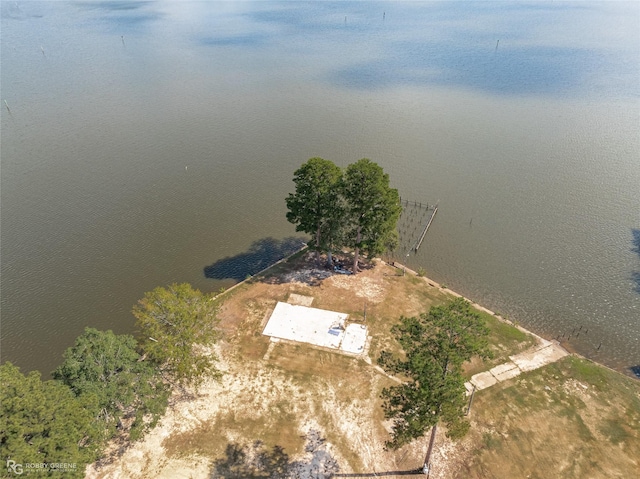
490, 441
615, 431
504, 340
550, 423
589, 372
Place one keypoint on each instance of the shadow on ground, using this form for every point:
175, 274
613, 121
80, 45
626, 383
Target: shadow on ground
257, 461
262, 254
307, 270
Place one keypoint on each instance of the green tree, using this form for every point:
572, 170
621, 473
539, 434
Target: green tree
43, 422
435, 346
373, 209
127, 388
315, 207
178, 326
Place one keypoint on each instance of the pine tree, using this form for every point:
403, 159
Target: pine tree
315, 207
373, 209
435, 346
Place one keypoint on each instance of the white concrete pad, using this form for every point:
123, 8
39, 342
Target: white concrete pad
506, 373
503, 368
355, 337
532, 360
483, 380
307, 325
316, 326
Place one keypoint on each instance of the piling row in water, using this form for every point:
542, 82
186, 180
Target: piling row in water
435, 210
414, 215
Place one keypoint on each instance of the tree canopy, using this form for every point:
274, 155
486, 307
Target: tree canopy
373, 208
355, 208
435, 346
315, 207
109, 367
178, 325
43, 422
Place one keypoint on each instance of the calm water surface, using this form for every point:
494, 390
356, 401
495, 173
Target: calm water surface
153, 142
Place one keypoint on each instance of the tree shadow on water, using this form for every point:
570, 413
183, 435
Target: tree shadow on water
261, 254
257, 461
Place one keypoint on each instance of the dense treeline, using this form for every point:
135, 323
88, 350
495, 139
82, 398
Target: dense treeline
354, 208
108, 385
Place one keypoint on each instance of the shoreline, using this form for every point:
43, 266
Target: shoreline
564, 345
477, 306
394, 264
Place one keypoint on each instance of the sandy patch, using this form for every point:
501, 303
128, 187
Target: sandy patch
306, 276
300, 299
363, 286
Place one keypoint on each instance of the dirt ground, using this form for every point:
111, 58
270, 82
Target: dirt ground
273, 397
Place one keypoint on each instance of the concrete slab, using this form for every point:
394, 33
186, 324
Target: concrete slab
307, 325
316, 326
469, 387
300, 299
355, 337
508, 374
483, 380
529, 361
503, 368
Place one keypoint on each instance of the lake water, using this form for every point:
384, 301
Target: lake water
145, 143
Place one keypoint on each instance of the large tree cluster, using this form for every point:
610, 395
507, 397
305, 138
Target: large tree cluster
354, 207
108, 386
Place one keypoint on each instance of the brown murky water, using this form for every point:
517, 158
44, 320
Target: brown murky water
150, 142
